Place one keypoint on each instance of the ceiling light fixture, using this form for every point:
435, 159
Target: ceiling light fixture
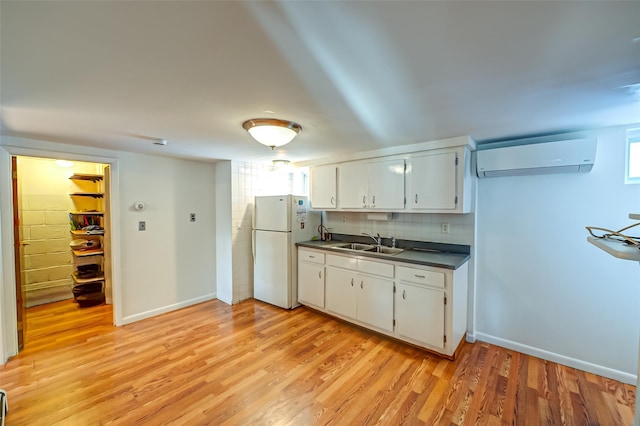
281, 165
64, 163
272, 132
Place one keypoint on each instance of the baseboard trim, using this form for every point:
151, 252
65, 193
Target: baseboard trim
164, 309
600, 370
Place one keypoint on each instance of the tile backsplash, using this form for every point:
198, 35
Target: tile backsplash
406, 226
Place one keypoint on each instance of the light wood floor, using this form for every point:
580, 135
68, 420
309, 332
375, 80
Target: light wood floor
256, 364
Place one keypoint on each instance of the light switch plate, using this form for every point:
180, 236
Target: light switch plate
192, 217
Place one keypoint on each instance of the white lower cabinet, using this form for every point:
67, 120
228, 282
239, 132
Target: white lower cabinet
311, 278
420, 314
375, 302
341, 292
360, 296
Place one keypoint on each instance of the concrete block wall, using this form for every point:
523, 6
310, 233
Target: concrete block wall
44, 205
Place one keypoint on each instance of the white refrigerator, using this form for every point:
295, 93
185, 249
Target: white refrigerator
279, 222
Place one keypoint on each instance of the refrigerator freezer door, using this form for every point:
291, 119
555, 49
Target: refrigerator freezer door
272, 271
273, 213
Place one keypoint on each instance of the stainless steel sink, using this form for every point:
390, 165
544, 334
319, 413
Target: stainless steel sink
355, 246
385, 250
369, 248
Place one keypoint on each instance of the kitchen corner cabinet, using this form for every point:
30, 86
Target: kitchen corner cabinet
311, 277
87, 230
377, 185
323, 189
438, 182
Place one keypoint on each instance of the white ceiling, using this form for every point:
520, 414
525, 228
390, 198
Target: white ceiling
356, 75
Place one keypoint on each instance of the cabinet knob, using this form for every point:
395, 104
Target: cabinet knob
404, 294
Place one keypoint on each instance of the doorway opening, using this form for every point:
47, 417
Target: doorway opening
62, 251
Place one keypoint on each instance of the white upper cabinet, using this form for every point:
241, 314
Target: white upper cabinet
375, 185
323, 193
353, 185
437, 182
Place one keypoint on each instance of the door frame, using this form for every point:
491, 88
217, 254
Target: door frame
8, 307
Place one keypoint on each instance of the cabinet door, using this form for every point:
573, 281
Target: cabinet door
420, 314
323, 187
341, 292
375, 302
353, 184
386, 185
432, 182
311, 284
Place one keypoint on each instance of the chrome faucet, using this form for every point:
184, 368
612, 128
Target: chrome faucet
377, 240
393, 242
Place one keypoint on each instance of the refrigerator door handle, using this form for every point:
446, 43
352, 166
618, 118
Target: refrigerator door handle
253, 232
253, 245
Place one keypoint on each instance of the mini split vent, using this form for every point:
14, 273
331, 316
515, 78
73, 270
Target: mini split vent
560, 156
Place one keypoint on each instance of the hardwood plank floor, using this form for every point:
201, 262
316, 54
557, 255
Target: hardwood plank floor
256, 364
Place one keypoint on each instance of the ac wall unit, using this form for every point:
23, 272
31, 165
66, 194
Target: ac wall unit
564, 156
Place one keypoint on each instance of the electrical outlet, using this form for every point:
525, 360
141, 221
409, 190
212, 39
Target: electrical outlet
142, 226
444, 228
192, 217
343, 220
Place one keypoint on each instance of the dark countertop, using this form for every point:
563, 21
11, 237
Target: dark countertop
430, 256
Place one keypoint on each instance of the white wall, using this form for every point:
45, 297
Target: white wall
168, 266
224, 272
541, 287
172, 263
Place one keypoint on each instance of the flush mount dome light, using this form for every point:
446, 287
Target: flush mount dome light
64, 163
272, 131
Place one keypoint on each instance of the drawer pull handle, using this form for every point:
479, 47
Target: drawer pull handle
404, 294
419, 276
312, 257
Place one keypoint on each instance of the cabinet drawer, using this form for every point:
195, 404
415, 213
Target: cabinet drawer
311, 256
420, 276
342, 261
375, 268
